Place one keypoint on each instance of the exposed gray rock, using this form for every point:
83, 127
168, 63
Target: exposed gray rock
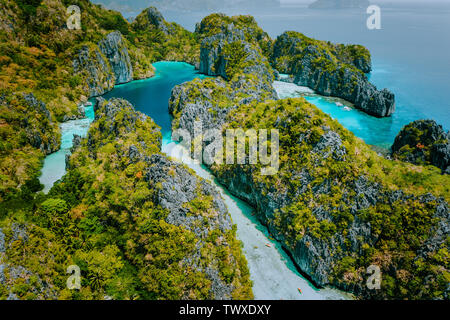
133, 154
114, 48
91, 64
2, 242
180, 188
204, 108
104, 65
441, 231
36, 134
156, 18
36, 104
330, 144
423, 142
76, 142
440, 156
214, 61
313, 67
2, 274
174, 184
14, 272
19, 232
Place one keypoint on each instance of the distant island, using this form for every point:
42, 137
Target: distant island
183, 5
339, 4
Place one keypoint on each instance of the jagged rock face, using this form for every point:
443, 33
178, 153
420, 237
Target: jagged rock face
330, 74
318, 257
115, 50
2, 242
212, 61
92, 64
192, 101
41, 289
178, 187
423, 142
37, 135
104, 65
227, 53
203, 109
156, 18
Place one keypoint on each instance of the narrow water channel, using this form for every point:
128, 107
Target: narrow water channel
273, 273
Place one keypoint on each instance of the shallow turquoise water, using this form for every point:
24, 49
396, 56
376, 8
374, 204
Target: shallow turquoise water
151, 96
410, 54
55, 164
374, 131
272, 272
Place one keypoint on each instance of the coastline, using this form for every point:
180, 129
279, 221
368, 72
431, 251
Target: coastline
287, 274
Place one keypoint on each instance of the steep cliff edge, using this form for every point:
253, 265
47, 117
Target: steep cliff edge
104, 65
332, 70
114, 48
339, 208
133, 217
231, 47
161, 40
62, 68
28, 131
334, 204
423, 142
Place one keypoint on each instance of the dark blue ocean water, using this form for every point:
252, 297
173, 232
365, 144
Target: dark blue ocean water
411, 55
151, 96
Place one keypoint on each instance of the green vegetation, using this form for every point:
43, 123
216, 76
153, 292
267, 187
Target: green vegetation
328, 56
177, 44
418, 141
103, 216
401, 227
218, 22
36, 55
328, 181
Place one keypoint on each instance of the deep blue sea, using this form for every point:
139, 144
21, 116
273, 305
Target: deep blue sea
151, 96
411, 56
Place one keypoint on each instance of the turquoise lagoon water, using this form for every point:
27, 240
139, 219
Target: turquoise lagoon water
273, 273
55, 164
151, 96
374, 131
410, 55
